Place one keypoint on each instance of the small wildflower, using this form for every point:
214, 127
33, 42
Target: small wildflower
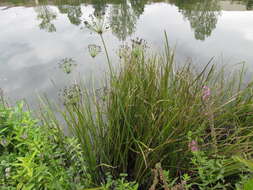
24, 136
193, 146
7, 172
4, 142
206, 93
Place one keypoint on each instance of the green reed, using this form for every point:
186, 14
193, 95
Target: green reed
147, 111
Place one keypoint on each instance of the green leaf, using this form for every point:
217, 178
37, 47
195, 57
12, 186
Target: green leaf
248, 185
248, 163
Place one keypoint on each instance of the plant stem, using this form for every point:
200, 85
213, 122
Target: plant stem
106, 52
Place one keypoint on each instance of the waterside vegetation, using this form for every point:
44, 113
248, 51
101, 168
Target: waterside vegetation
154, 125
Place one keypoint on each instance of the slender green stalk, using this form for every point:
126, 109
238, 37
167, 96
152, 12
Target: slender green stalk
107, 54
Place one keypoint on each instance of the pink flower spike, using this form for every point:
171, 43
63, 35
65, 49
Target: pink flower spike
194, 149
206, 93
193, 146
193, 142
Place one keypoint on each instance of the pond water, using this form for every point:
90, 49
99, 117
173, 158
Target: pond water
44, 44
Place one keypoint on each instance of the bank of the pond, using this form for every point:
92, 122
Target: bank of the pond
153, 126
36, 157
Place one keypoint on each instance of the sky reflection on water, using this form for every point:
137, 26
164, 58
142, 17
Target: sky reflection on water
34, 39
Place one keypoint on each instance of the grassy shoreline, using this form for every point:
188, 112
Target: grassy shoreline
152, 127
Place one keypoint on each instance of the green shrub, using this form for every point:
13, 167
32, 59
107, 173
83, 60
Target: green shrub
36, 157
246, 182
120, 184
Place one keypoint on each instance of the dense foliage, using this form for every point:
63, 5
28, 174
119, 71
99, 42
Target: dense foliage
36, 157
152, 126
165, 127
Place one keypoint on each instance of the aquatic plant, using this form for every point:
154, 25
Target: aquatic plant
148, 111
94, 50
70, 95
67, 65
97, 23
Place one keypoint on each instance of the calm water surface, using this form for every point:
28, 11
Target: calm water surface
36, 35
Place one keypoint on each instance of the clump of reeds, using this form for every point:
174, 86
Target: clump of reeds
148, 110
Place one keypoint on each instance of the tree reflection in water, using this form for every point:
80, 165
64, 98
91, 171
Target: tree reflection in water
72, 9
138, 6
249, 4
202, 15
123, 14
99, 6
46, 16
122, 20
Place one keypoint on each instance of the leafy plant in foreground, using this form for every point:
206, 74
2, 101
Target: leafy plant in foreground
120, 184
36, 157
247, 180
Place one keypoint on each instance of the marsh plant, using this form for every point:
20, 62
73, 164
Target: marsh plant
67, 65
154, 112
133, 49
70, 94
152, 126
97, 23
94, 50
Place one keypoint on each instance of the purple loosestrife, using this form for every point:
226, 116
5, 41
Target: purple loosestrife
206, 93
193, 146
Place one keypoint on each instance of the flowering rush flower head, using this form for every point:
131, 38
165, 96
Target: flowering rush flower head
193, 146
206, 93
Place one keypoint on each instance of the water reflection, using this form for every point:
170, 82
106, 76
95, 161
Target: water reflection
72, 9
99, 6
138, 6
247, 3
122, 20
123, 14
37, 35
46, 16
202, 15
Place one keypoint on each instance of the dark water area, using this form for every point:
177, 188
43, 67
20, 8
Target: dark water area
44, 46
